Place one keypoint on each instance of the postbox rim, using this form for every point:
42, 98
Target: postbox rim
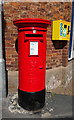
31, 21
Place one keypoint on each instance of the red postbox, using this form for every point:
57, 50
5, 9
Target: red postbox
31, 61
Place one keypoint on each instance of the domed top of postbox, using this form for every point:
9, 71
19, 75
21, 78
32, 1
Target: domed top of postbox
31, 22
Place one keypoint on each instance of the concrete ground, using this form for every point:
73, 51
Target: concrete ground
56, 106
58, 102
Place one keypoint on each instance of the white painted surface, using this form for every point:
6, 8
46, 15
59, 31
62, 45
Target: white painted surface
33, 48
72, 54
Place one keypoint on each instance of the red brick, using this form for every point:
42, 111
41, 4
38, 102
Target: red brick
49, 10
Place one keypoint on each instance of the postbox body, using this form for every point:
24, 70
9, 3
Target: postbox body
31, 61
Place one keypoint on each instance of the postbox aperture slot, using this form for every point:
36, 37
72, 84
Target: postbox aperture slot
34, 48
33, 35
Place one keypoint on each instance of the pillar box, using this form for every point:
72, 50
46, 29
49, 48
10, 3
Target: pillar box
31, 62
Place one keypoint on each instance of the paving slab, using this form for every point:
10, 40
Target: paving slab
58, 80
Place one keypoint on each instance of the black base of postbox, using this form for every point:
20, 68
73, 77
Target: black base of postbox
31, 100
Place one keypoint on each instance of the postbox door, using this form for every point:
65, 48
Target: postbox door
36, 65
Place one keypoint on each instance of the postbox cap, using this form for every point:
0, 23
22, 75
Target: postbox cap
31, 22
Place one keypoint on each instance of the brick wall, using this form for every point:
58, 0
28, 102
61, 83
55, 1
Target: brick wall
57, 51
